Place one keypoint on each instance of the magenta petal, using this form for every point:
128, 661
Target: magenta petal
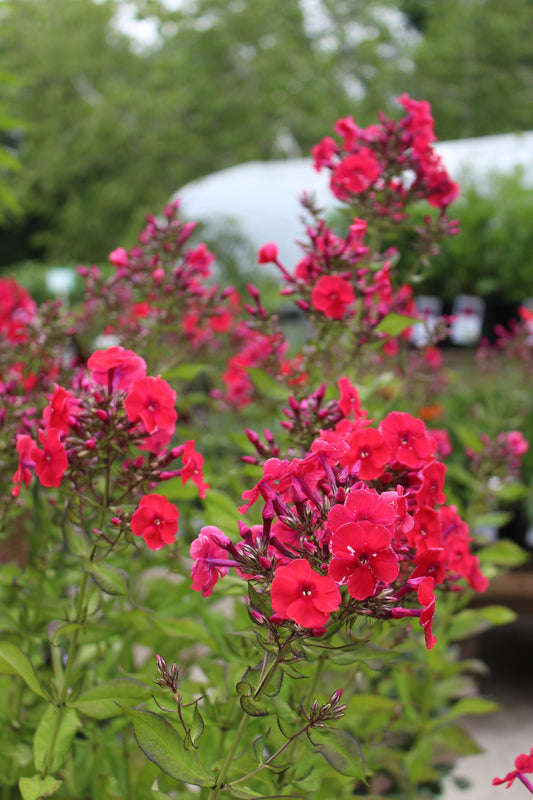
303, 612
341, 569
363, 583
385, 566
375, 538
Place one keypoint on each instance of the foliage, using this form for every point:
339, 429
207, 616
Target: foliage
297, 666
107, 124
474, 60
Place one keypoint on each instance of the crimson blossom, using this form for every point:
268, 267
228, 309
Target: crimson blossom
523, 763
156, 520
116, 367
151, 400
301, 594
332, 295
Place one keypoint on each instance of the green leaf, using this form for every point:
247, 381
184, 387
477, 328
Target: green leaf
156, 793
254, 708
185, 372
472, 622
243, 793
111, 580
464, 707
394, 324
14, 662
38, 788
58, 627
66, 722
259, 744
220, 510
266, 385
503, 554
496, 519
105, 701
162, 744
341, 751
197, 727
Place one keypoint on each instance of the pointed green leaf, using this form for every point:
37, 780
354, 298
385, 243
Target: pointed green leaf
504, 553
186, 372
111, 580
259, 744
341, 751
243, 793
394, 324
66, 722
266, 385
162, 744
105, 701
38, 788
14, 662
465, 706
473, 621
197, 727
58, 627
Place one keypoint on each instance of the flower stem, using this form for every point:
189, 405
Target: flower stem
527, 783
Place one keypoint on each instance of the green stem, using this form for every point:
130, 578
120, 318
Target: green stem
61, 702
308, 700
219, 785
266, 675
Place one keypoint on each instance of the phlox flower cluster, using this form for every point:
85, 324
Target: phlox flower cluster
113, 417
357, 526
164, 284
392, 162
343, 286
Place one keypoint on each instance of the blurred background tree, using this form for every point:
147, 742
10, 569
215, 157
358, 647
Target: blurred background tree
113, 128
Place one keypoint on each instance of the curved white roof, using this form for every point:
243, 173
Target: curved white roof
262, 197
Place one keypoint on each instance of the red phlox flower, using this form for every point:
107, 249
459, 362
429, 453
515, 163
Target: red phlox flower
210, 559
152, 401
364, 505
362, 557
368, 453
456, 539
355, 174
26, 448
349, 401
523, 764
441, 189
348, 130
268, 253
191, 325
220, 320
200, 259
418, 123
332, 295
426, 598
51, 462
192, 468
324, 152
302, 595
442, 439
156, 520
410, 442
62, 408
17, 310
430, 492
119, 257
427, 529
116, 367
